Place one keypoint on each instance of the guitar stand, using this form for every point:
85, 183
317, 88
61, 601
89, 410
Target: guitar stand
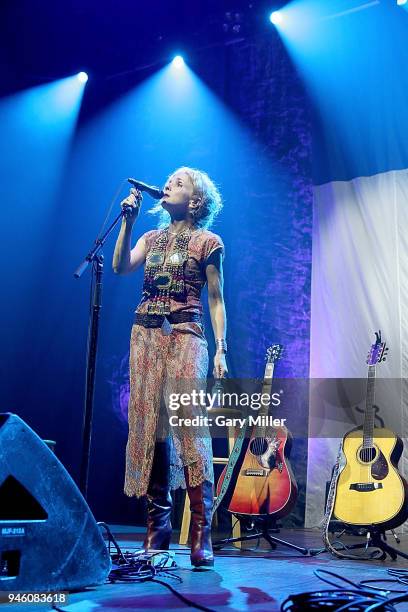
262, 532
377, 539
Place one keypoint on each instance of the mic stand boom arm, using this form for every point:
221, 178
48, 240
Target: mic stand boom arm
95, 257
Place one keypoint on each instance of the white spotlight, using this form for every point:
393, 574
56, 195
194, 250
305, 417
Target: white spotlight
178, 61
401, 2
82, 77
276, 17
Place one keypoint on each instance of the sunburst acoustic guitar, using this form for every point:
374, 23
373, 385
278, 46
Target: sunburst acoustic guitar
262, 482
370, 490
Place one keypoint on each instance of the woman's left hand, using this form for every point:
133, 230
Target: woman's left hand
220, 365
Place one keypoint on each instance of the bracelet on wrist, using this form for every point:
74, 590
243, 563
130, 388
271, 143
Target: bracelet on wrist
221, 345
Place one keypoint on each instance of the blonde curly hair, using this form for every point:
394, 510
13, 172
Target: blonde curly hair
206, 190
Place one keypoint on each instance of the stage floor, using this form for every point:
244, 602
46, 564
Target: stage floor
255, 579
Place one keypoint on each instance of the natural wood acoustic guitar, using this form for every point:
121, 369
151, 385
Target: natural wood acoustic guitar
370, 490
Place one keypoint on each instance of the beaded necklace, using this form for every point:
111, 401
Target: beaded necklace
164, 280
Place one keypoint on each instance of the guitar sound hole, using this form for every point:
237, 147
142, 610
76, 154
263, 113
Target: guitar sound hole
258, 446
367, 454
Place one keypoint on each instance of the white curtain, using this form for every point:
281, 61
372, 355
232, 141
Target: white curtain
359, 285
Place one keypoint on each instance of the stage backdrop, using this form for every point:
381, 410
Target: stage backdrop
359, 285
354, 64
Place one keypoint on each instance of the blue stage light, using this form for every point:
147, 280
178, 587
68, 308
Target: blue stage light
82, 77
276, 17
401, 2
178, 61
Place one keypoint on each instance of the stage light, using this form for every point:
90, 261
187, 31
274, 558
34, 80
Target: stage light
82, 77
401, 2
276, 17
178, 61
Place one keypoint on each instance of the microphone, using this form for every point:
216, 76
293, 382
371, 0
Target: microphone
154, 192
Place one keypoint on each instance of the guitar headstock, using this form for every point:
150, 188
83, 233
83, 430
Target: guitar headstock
274, 352
378, 350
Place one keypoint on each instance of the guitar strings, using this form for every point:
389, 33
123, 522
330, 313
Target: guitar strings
258, 442
368, 449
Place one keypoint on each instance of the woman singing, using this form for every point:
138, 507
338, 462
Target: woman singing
168, 348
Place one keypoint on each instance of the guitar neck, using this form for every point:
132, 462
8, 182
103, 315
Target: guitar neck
259, 430
267, 385
368, 426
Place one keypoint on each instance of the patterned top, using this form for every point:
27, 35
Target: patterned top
201, 245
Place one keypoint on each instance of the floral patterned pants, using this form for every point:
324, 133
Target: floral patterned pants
161, 365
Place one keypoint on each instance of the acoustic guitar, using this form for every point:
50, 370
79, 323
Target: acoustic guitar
370, 490
262, 482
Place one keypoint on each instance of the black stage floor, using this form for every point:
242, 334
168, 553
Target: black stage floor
256, 579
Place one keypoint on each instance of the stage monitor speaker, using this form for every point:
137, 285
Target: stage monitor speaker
49, 540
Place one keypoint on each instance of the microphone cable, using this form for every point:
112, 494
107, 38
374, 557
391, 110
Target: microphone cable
136, 567
355, 599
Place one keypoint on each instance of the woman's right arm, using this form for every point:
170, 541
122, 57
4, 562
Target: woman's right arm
125, 259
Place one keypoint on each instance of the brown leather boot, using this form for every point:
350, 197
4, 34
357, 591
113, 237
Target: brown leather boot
201, 503
159, 501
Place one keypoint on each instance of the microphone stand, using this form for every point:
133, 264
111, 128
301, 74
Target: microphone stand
95, 257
